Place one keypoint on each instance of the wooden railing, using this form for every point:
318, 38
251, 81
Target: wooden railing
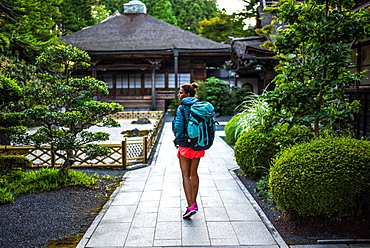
129, 151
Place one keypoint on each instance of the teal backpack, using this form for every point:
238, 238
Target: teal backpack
201, 127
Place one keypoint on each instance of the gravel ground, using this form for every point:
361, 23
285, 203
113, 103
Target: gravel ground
48, 218
60, 217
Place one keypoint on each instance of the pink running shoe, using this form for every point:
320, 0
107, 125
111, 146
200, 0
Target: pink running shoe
190, 211
195, 205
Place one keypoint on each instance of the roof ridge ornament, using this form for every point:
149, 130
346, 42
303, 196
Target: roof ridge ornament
134, 7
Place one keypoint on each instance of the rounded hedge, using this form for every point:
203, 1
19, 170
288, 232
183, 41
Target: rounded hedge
11, 162
327, 177
254, 149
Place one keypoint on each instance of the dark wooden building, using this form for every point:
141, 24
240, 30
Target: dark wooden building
143, 59
253, 65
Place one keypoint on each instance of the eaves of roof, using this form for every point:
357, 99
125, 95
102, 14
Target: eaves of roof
161, 52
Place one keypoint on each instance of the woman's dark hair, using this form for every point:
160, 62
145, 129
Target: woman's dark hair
190, 88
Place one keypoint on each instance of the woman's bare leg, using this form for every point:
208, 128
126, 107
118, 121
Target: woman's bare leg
190, 178
194, 179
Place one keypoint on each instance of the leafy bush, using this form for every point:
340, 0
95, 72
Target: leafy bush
231, 128
9, 91
255, 148
223, 98
18, 182
219, 95
328, 177
262, 187
284, 135
12, 162
173, 106
253, 151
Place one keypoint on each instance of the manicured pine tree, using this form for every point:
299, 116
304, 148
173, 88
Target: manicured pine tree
63, 108
10, 120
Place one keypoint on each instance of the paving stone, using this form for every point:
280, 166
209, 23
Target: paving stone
169, 214
221, 230
120, 213
215, 214
151, 195
143, 219
241, 212
138, 237
168, 230
127, 198
252, 233
211, 201
233, 197
170, 201
109, 234
148, 207
197, 235
227, 185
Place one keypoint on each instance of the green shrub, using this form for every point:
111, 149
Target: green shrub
12, 162
262, 187
219, 95
231, 129
284, 135
18, 182
254, 149
328, 177
175, 103
6, 196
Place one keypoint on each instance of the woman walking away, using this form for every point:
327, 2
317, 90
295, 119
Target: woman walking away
189, 159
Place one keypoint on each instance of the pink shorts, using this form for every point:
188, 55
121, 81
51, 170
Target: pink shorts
188, 152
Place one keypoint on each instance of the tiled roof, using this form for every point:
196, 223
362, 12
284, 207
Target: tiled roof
138, 32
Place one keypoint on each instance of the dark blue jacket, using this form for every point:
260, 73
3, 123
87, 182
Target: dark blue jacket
179, 121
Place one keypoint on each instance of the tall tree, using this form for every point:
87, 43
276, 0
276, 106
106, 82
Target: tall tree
250, 9
113, 5
76, 14
314, 56
224, 26
27, 26
163, 10
190, 13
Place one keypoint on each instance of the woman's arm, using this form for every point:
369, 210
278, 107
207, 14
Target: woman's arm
179, 121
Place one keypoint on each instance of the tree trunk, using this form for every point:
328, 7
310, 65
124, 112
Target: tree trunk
68, 162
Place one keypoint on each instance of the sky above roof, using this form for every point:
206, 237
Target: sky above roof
231, 5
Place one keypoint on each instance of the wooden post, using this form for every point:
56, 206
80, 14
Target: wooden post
52, 153
176, 69
124, 154
145, 149
156, 63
